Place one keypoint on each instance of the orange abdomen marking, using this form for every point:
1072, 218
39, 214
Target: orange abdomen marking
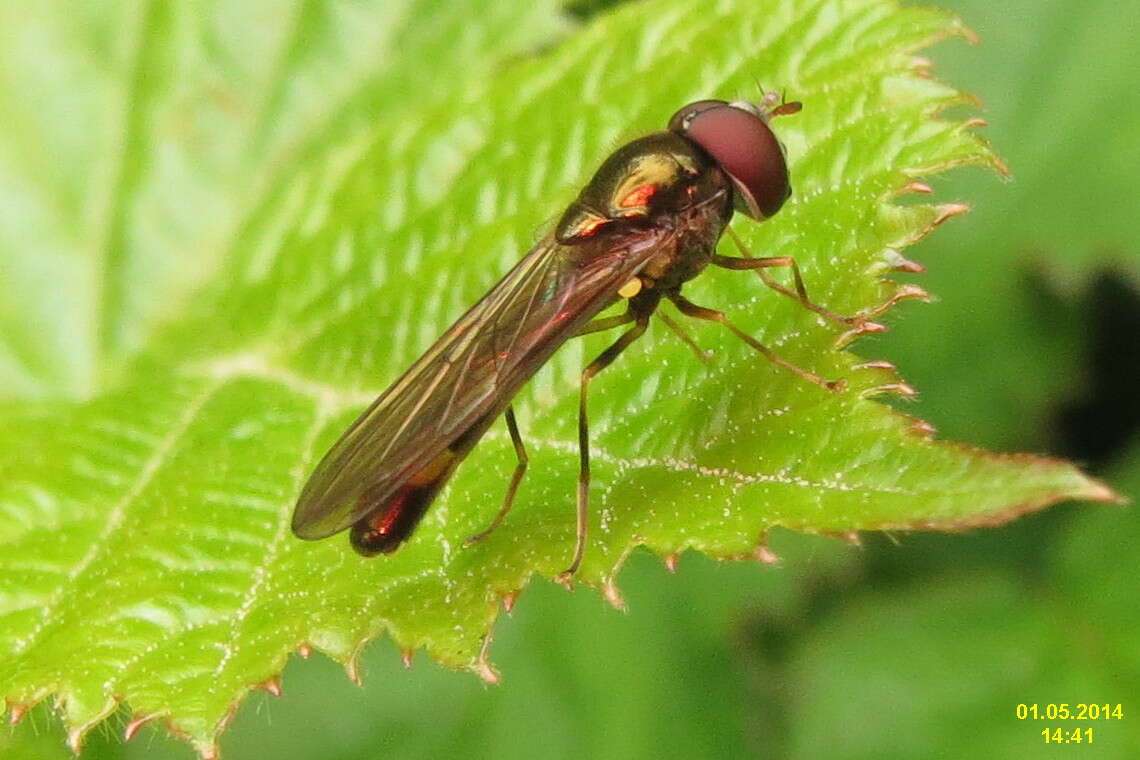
389, 524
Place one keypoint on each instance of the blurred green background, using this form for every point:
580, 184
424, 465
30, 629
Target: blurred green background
911, 645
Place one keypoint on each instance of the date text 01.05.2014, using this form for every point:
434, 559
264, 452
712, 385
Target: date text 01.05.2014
1070, 711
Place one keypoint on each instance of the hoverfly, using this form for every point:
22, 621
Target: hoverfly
647, 222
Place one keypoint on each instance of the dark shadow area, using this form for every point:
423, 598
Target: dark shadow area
1097, 424
584, 9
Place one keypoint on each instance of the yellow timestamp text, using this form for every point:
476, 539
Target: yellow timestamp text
1070, 711
1067, 736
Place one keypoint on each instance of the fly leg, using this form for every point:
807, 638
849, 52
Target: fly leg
596, 366
760, 264
605, 323
608, 323
679, 331
690, 309
516, 479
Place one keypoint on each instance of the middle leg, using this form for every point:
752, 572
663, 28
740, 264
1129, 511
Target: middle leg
604, 360
690, 309
516, 479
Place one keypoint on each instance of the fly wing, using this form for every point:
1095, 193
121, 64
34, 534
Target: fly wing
471, 373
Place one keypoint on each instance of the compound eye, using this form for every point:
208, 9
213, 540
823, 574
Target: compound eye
741, 142
684, 117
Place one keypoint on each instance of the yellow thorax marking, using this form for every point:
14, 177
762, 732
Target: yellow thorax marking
631, 288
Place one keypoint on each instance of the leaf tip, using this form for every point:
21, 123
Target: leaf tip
922, 428
75, 739
765, 555
16, 712
612, 594
487, 672
406, 656
1001, 167
966, 33
881, 365
136, 724
915, 186
851, 537
896, 262
863, 328
304, 651
904, 292
944, 211
905, 390
921, 63
671, 561
1099, 491
1087, 489
939, 214
483, 667
271, 685
352, 669
508, 600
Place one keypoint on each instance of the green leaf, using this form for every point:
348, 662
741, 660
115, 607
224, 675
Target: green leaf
246, 276
135, 158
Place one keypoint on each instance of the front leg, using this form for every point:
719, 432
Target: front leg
749, 262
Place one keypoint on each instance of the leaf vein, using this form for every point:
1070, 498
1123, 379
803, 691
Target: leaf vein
118, 511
